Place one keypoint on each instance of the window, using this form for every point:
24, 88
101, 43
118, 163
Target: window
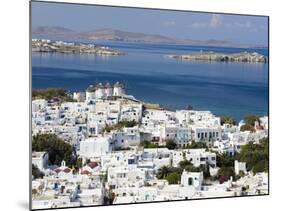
202, 159
190, 181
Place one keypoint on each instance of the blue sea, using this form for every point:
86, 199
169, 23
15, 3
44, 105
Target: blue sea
234, 89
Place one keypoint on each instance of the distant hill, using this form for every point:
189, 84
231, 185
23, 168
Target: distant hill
118, 35
51, 30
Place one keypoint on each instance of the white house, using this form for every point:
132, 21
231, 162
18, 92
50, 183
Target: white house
128, 136
207, 134
196, 156
38, 104
40, 159
180, 135
239, 167
95, 146
124, 176
193, 179
130, 112
158, 157
79, 96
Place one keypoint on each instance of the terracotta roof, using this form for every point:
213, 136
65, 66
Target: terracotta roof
92, 164
67, 170
85, 172
57, 170
259, 127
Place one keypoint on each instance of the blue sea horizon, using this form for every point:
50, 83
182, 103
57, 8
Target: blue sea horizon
234, 89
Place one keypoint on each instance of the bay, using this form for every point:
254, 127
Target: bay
234, 89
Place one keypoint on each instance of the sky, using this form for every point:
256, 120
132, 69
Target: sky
240, 29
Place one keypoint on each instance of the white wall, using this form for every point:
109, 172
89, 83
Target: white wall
95, 147
14, 79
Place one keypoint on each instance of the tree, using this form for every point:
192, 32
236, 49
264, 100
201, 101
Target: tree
247, 127
162, 172
256, 156
227, 120
79, 163
148, 144
57, 149
109, 197
184, 163
36, 173
223, 160
119, 125
171, 144
224, 173
34, 192
173, 178
250, 119
52, 93
261, 166
196, 145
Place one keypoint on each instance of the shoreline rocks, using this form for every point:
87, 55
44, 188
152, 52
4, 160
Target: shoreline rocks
249, 57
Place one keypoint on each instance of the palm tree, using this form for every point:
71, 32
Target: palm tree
162, 172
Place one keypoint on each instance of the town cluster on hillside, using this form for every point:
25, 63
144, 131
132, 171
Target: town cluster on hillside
124, 151
49, 46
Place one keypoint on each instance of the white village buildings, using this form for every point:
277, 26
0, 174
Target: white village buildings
113, 161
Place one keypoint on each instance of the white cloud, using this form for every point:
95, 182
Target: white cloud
215, 21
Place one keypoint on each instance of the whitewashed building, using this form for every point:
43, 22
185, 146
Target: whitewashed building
40, 159
95, 146
239, 167
196, 156
193, 179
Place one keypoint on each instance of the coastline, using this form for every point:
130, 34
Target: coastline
49, 46
246, 57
